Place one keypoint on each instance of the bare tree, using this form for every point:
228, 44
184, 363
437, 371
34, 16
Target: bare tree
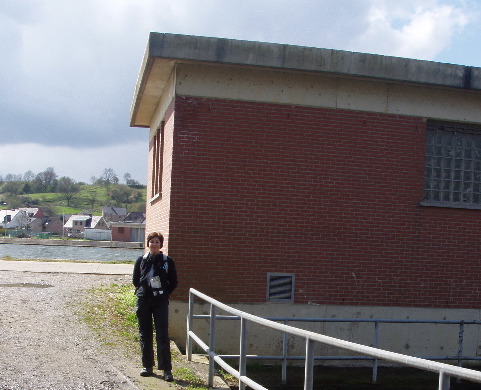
109, 177
129, 181
28, 176
12, 177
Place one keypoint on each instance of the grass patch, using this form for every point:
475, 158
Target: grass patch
112, 307
189, 376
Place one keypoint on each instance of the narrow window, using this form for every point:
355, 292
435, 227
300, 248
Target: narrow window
452, 172
280, 287
157, 161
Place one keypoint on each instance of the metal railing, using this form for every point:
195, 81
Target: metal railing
459, 357
444, 371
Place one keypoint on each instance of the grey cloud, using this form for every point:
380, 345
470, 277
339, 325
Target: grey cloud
72, 66
69, 68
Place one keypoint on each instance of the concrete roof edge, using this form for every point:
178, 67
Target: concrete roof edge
189, 48
142, 77
290, 57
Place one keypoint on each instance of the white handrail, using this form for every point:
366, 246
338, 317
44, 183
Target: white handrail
444, 370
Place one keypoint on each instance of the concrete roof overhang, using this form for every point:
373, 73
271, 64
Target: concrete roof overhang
164, 50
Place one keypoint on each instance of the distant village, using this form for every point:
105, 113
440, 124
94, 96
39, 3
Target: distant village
115, 224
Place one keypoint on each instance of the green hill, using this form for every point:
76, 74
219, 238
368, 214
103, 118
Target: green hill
91, 197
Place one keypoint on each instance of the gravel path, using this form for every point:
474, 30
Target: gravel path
43, 345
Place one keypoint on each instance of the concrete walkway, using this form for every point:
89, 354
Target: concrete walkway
67, 267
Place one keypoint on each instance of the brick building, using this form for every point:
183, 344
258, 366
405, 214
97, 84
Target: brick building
341, 184
130, 229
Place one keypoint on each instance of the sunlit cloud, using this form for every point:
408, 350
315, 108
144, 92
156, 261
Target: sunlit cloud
404, 29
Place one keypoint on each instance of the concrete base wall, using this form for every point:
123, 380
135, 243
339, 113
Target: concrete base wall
410, 339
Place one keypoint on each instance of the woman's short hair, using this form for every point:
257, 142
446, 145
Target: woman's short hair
153, 235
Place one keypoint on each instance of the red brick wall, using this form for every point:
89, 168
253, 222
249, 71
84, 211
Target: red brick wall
158, 209
120, 235
330, 195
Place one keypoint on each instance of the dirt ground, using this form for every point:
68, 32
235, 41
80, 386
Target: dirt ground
44, 345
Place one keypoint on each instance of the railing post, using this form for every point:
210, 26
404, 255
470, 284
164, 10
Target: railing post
460, 347
376, 342
284, 355
444, 381
309, 365
460, 343
190, 321
242, 352
212, 345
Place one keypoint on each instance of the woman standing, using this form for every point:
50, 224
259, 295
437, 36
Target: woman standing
154, 278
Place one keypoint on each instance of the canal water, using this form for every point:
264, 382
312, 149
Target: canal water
93, 254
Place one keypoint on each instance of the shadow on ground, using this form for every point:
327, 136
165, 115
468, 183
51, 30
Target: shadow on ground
334, 378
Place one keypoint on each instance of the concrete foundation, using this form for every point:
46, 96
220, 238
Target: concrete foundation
422, 340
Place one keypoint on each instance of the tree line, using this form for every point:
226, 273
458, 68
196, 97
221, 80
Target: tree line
48, 181
16, 188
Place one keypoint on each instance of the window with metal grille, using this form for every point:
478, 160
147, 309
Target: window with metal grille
452, 173
280, 287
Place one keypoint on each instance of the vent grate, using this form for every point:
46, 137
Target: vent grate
280, 287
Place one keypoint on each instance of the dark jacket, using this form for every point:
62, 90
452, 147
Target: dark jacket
164, 268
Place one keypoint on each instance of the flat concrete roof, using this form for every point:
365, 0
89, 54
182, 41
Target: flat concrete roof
172, 48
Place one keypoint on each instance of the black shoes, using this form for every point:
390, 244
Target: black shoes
147, 371
168, 377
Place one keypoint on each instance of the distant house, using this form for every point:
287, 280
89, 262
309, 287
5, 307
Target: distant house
13, 219
33, 212
114, 214
36, 219
130, 229
47, 224
76, 224
36, 225
55, 224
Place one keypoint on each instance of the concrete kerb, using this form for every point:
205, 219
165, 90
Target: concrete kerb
66, 267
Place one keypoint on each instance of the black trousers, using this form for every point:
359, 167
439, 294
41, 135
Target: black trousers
149, 309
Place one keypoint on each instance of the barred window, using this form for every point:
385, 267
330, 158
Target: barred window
452, 174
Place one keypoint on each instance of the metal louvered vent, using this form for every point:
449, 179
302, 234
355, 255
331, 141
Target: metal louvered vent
280, 287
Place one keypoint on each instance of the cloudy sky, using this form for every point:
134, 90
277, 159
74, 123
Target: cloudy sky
68, 68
